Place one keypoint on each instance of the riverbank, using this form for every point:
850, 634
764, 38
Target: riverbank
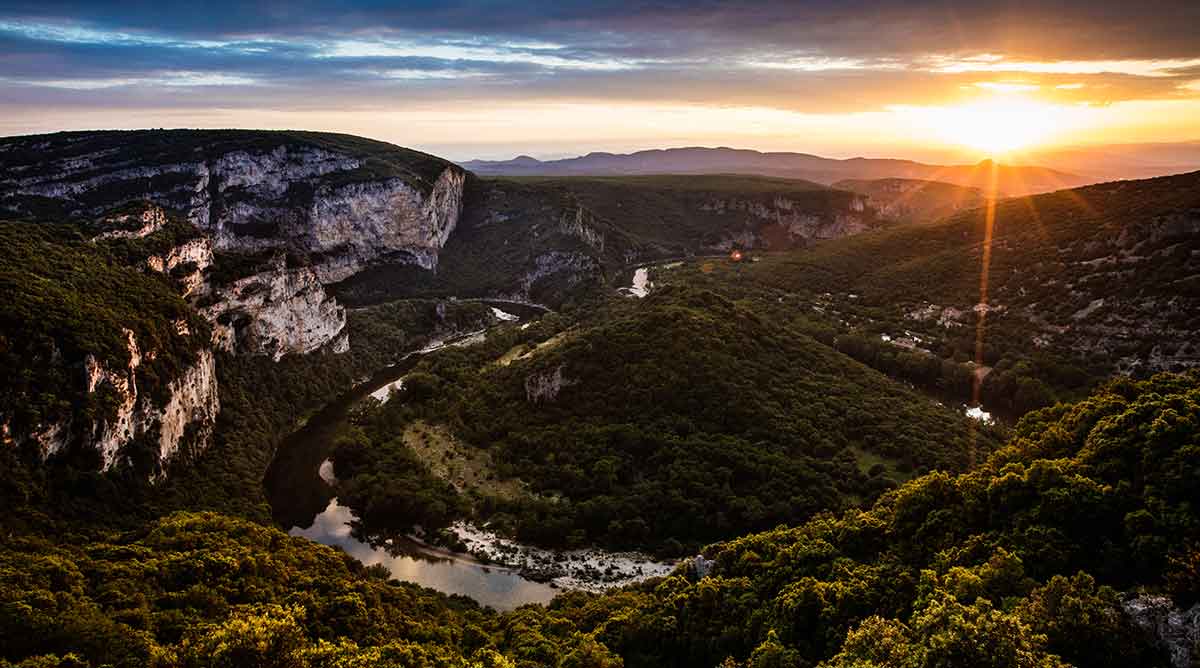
589, 569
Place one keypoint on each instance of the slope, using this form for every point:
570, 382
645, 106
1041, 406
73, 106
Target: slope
1063, 549
661, 423
914, 200
1080, 284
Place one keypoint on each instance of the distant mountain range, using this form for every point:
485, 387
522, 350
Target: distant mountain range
1045, 170
1010, 179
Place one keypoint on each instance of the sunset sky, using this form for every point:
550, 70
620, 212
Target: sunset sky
493, 79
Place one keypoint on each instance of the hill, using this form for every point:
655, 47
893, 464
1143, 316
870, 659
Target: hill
1067, 547
134, 259
211, 249
1080, 284
998, 567
684, 402
1009, 180
173, 308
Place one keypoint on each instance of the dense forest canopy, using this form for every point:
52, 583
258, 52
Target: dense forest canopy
666, 423
995, 567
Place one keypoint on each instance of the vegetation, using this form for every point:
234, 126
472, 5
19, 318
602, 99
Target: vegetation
680, 212
1076, 280
888, 530
550, 239
673, 421
914, 200
228, 476
253, 422
1017, 563
66, 300
196, 589
999, 566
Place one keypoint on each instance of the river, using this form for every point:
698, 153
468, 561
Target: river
299, 486
447, 572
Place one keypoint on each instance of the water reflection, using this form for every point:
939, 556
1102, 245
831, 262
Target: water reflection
497, 587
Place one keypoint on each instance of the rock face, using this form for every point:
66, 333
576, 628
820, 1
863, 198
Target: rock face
250, 227
340, 203
544, 386
1176, 631
176, 424
193, 257
361, 222
301, 198
582, 227
275, 312
913, 200
784, 223
569, 267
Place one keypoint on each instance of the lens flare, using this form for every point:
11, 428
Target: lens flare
999, 124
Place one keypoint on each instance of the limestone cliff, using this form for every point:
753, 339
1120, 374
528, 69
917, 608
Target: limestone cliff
249, 227
174, 424
544, 386
340, 203
784, 223
274, 312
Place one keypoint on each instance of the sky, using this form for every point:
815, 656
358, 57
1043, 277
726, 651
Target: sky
491, 79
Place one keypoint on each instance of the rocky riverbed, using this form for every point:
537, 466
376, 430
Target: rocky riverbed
589, 569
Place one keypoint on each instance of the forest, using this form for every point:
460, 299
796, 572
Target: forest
998, 567
673, 421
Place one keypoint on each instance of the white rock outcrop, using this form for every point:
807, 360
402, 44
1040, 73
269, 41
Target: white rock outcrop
313, 202
194, 254
1176, 631
149, 221
786, 222
544, 386
276, 312
191, 403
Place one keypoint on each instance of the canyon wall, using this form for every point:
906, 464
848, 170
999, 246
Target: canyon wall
269, 220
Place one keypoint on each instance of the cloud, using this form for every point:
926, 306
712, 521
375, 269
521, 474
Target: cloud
1058, 29
817, 57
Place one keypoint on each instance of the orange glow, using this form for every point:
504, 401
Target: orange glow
1001, 123
551, 129
735, 255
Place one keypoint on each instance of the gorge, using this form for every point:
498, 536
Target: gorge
277, 382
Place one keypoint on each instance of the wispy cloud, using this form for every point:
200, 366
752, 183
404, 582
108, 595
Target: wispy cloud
815, 57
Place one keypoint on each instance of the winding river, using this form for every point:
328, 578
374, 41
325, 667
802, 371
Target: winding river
299, 485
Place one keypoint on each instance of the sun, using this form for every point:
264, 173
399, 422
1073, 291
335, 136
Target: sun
997, 126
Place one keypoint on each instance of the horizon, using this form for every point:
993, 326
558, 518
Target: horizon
943, 158
881, 78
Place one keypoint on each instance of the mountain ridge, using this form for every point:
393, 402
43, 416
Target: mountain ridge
1010, 179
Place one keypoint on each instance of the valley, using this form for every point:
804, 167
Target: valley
356, 405
301, 483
